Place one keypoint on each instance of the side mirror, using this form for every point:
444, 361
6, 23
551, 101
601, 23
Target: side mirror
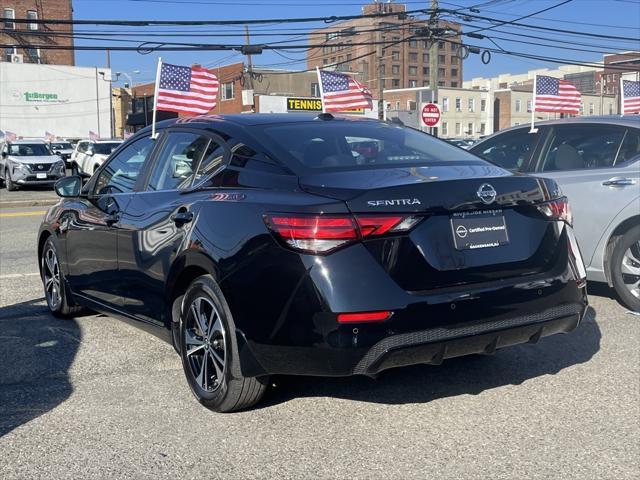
4, 154
90, 153
68, 187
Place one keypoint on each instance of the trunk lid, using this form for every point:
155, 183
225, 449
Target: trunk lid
480, 224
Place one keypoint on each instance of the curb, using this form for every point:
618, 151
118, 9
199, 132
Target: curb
28, 203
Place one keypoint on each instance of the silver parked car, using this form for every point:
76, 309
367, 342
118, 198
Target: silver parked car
29, 162
596, 161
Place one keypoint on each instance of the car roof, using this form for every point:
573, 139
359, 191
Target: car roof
252, 119
25, 141
627, 121
102, 140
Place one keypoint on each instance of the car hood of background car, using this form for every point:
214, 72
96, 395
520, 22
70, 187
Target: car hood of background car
35, 159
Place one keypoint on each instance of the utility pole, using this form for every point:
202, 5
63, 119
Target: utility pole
380, 78
433, 57
249, 59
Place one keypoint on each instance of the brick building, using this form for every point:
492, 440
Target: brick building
27, 37
626, 64
405, 65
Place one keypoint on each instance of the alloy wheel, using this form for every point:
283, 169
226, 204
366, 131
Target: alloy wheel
51, 278
205, 344
630, 269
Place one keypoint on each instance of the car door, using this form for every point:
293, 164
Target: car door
592, 164
157, 220
92, 224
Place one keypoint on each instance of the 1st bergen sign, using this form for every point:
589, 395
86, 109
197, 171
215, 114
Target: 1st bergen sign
430, 115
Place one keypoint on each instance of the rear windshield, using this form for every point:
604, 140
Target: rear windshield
29, 150
61, 146
331, 145
105, 148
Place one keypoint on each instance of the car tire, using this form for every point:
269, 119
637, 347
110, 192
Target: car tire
11, 187
625, 267
209, 351
56, 293
74, 169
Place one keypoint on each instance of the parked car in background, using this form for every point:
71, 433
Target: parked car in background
29, 163
63, 149
312, 245
90, 154
596, 162
462, 143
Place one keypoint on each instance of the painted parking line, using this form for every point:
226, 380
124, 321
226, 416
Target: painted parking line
18, 275
23, 214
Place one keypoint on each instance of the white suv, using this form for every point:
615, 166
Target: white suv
90, 154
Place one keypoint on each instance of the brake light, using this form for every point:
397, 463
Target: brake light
361, 317
558, 209
325, 233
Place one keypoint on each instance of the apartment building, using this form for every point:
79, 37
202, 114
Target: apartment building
27, 38
403, 65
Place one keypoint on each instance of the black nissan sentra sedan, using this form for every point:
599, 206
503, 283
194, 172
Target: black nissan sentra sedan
271, 244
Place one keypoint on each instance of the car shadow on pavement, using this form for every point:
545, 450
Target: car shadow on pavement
458, 376
36, 351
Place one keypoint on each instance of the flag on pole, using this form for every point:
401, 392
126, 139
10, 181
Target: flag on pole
630, 96
93, 135
342, 92
186, 90
10, 136
554, 95
49, 137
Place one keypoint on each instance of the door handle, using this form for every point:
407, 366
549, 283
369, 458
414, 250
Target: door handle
619, 182
182, 217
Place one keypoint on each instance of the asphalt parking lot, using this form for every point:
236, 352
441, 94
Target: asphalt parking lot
96, 398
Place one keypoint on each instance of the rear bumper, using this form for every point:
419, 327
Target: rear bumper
429, 346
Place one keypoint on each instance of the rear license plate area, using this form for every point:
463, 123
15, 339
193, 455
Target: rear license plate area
479, 229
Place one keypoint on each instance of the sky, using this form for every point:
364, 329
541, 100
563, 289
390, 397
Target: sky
606, 17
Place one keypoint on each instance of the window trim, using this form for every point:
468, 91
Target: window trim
224, 97
12, 17
32, 26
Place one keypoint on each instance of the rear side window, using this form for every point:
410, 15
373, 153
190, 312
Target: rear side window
510, 150
179, 157
211, 161
630, 148
580, 147
337, 144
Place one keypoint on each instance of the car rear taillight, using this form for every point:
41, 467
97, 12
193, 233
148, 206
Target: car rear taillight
558, 210
325, 233
362, 317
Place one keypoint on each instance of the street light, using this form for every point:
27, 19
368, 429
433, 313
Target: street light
135, 72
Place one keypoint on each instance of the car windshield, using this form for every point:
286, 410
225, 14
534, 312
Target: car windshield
29, 150
105, 148
61, 146
356, 145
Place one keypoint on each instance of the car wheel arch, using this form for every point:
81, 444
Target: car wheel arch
620, 230
185, 269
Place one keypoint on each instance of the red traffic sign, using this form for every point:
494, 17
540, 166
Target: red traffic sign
430, 115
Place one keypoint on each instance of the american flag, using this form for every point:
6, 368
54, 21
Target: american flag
93, 135
10, 136
187, 90
553, 95
49, 136
630, 97
341, 92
